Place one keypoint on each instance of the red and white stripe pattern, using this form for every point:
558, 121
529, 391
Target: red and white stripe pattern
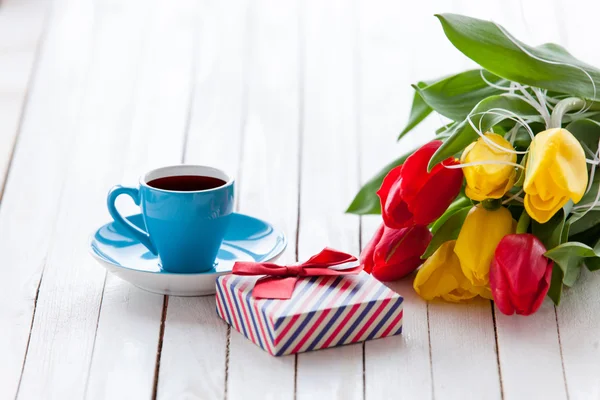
323, 312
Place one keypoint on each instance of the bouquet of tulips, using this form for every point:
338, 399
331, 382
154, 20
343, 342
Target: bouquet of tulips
504, 203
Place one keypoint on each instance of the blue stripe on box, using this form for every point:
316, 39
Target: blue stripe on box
333, 319
361, 316
258, 332
310, 315
385, 319
295, 300
224, 303
234, 282
265, 305
266, 317
359, 286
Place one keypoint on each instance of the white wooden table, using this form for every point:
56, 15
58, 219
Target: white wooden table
303, 100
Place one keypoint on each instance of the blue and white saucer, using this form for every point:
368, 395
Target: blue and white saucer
247, 239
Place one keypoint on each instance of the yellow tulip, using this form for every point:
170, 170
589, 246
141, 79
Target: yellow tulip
489, 181
442, 277
477, 241
555, 172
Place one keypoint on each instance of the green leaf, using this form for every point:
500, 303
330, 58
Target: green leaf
461, 201
587, 131
570, 257
578, 223
445, 128
448, 231
550, 233
419, 111
556, 284
589, 236
548, 66
366, 200
464, 134
593, 264
455, 96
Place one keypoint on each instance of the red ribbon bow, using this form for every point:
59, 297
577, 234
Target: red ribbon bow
280, 281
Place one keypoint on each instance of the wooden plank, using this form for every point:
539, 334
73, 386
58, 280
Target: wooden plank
268, 181
32, 190
443, 327
463, 355
579, 327
66, 317
540, 373
578, 315
536, 336
127, 339
389, 62
21, 33
195, 342
329, 175
462, 336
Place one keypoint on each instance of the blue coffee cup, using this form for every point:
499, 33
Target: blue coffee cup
185, 224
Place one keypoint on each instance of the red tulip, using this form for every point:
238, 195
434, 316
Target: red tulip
412, 196
520, 274
394, 253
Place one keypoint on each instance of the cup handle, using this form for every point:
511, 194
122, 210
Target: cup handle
134, 193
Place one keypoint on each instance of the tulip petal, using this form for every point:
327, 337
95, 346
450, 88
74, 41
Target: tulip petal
438, 192
541, 153
394, 209
366, 256
415, 170
399, 251
442, 277
410, 195
390, 273
500, 290
543, 288
553, 203
489, 180
481, 232
540, 214
569, 169
556, 171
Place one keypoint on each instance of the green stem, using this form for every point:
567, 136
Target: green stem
563, 107
491, 204
523, 224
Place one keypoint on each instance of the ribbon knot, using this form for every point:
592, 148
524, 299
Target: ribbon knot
279, 281
294, 270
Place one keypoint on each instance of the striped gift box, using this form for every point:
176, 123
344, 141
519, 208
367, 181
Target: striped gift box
323, 312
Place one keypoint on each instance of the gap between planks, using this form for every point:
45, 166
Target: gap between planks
497, 349
161, 334
301, 102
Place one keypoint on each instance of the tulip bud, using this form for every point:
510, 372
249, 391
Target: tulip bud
520, 274
394, 253
481, 232
555, 172
489, 181
412, 196
442, 277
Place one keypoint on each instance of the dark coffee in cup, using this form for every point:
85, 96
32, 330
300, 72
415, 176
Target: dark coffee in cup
186, 183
